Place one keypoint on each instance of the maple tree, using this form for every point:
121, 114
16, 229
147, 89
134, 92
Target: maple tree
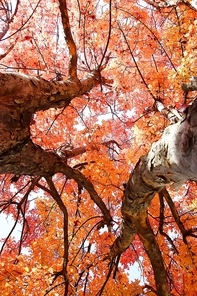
98, 147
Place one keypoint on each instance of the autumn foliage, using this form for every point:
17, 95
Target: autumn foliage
61, 231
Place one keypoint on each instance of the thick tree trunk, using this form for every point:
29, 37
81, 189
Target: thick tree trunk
20, 97
170, 160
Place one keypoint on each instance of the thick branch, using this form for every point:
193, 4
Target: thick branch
30, 159
84, 182
152, 249
124, 240
22, 95
137, 196
33, 94
172, 159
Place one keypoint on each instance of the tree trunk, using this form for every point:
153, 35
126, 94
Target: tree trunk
172, 159
20, 97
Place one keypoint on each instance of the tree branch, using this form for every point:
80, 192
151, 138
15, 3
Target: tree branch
152, 249
136, 64
154, 36
35, 94
109, 32
83, 149
175, 214
63, 208
69, 39
9, 18
124, 240
190, 86
161, 221
83, 181
30, 159
8, 50
166, 4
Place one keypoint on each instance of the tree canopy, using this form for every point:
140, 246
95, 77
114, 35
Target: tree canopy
98, 147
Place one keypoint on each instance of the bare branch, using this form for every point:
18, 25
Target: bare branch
83, 181
23, 25
154, 36
39, 94
9, 18
136, 64
100, 292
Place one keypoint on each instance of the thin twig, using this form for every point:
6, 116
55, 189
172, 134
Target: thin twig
136, 64
109, 33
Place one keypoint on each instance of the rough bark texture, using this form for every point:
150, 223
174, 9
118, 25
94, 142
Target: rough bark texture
170, 160
20, 97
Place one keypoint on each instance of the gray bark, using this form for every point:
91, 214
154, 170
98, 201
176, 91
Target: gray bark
171, 160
